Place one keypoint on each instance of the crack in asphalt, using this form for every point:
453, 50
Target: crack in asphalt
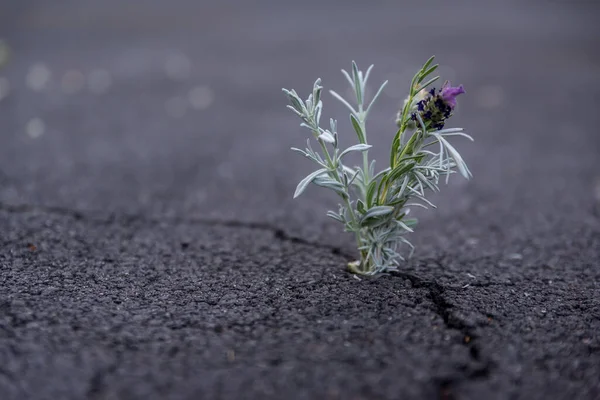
124, 219
483, 366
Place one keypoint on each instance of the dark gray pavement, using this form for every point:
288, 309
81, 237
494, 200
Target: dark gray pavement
150, 247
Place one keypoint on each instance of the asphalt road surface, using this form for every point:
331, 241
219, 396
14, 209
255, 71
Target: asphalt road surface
150, 247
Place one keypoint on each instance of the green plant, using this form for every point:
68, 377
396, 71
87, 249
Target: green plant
375, 205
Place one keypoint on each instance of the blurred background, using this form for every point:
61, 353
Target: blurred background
174, 108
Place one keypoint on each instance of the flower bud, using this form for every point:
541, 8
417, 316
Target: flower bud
435, 109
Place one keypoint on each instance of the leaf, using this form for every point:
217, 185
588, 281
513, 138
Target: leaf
304, 182
428, 62
380, 173
357, 83
298, 113
428, 72
343, 101
330, 184
371, 192
353, 178
368, 73
358, 129
360, 206
429, 82
377, 211
347, 76
404, 226
335, 216
400, 170
317, 91
411, 222
326, 136
460, 164
375, 97
356, 147
305, 154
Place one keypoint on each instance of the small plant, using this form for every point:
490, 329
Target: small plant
376, 205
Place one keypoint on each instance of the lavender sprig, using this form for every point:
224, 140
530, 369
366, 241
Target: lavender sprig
375, 206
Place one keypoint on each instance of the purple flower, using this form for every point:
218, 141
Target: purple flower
449, 93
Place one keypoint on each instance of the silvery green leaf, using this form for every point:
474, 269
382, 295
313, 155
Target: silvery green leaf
380, 173
298, 113
347, 76
343, 101
460, 164
349, 170
305, 154
400, 170
356, 147
411, 222
376, 97
309, 104
357, 85
372, 168
417, 205
326, 136
404, 226
318, 109
426, 181
366, 78
357, 128
378, 211
330, 184
335, 216
353, 178
304, 182
333, 125
317, 90
371, 192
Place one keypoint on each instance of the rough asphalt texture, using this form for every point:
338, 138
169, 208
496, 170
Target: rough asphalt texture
153, 256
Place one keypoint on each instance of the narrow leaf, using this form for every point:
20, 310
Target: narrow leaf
357, 129
356, 147
371, 192
304, 182
377, 211
335, 216
375, 97
343, 101
400, 170
360, 206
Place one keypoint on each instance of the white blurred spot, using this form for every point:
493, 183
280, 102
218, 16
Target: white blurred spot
178, 67
514, 256
472, 241
38, 77
35, 128
490, 96
72, 82
176, 107
201, 97
4, 87
99, 81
